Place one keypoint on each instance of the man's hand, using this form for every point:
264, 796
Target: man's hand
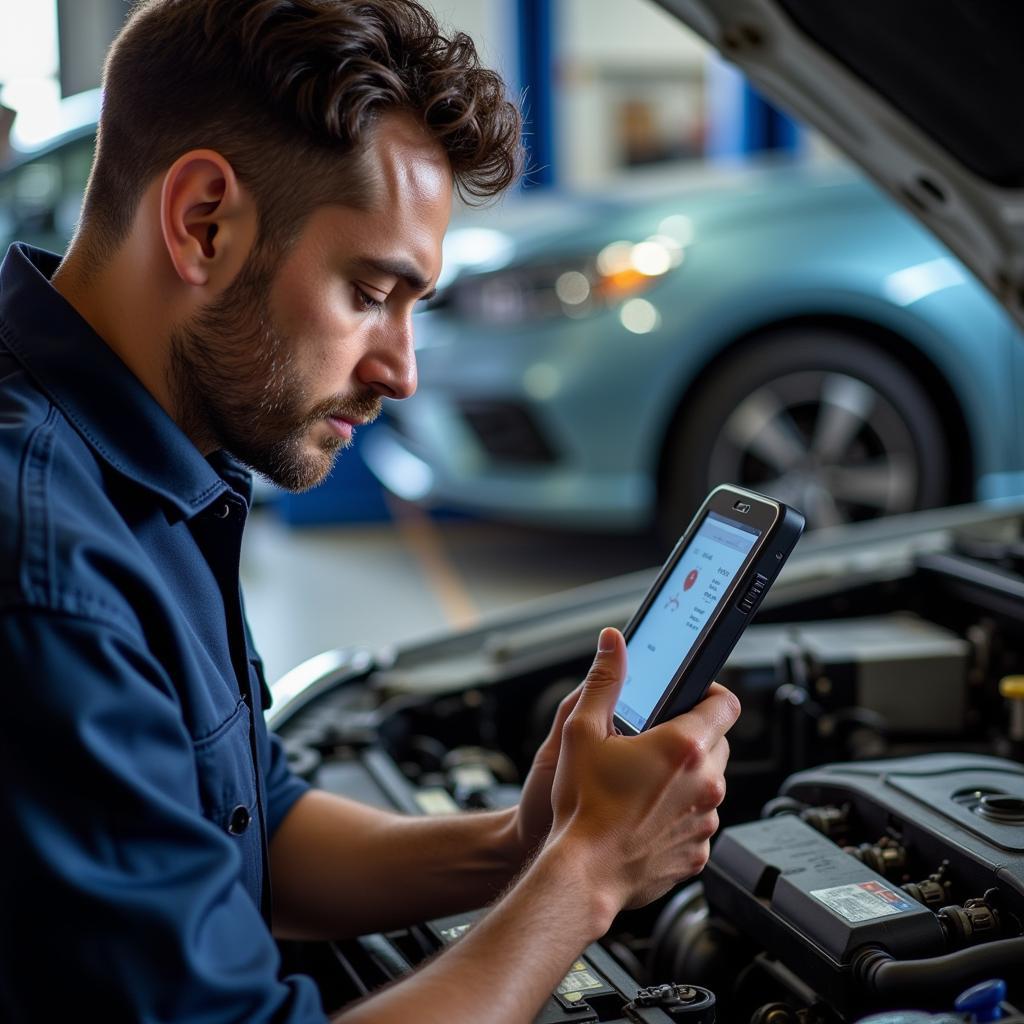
629, 817
640, 810
533, 815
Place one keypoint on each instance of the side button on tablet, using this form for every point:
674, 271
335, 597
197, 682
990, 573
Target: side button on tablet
755, 591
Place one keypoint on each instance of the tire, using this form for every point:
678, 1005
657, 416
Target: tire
818, 417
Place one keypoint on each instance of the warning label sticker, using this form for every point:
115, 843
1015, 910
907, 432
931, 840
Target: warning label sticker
455, 932
863, 901
579, 979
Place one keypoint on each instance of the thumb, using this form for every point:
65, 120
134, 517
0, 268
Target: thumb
603, 684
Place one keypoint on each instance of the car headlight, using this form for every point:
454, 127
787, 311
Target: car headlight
567, 287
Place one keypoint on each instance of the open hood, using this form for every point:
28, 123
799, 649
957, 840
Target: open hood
924, 96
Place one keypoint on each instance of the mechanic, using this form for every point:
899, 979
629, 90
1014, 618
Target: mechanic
272, 183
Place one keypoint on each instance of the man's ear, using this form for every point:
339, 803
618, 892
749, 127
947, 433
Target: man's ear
207, 219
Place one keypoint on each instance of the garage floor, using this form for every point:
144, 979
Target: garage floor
308, 590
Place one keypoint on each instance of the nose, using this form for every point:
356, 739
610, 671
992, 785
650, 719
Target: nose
389, 365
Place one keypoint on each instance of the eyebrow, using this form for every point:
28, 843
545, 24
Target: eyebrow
402, 269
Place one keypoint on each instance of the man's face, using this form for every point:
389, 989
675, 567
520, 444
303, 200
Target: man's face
293, 356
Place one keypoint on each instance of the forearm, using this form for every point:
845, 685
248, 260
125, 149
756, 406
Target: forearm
511, 960
341, 868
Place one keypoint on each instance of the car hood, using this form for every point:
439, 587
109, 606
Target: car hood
922, 95
709, 199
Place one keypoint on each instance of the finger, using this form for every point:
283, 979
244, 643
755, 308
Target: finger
710, 719
706, 788
699, 825
718, 756
603, 684
565, 707
710, 790
548, 750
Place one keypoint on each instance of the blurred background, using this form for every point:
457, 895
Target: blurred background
688, 288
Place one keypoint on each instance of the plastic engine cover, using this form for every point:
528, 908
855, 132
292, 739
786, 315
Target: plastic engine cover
811, 905
783, 874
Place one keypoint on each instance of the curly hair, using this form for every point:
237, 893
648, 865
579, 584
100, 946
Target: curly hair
288, 91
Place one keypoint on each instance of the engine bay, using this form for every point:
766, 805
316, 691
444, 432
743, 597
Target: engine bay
871, 855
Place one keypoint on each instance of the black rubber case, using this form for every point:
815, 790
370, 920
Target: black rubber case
780, 528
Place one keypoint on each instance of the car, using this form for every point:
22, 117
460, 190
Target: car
602, 361
870, 859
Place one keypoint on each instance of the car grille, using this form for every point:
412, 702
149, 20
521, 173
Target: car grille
507, 432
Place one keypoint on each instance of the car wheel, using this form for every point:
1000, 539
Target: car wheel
819, 418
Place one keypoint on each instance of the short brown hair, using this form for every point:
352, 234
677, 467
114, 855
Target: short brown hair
282, 89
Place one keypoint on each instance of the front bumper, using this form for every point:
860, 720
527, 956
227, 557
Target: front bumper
446, 465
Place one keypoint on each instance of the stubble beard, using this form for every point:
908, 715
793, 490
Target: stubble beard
236, 386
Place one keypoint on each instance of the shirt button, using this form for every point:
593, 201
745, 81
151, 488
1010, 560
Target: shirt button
223, 511
239, 820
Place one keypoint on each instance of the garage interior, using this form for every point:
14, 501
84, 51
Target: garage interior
690, 286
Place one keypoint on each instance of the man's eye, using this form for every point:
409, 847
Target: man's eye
366, 302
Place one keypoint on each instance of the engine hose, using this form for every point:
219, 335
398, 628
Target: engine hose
932, 983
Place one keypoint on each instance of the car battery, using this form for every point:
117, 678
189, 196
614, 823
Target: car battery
807, 902
910, 673
587, 993
595, 989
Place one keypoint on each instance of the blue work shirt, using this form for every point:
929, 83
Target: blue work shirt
139, 784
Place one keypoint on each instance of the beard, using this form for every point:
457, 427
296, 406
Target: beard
236, 386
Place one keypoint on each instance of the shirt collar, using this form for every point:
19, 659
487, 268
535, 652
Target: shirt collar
104, 401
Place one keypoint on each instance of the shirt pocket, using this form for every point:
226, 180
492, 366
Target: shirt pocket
227, 775
228, 793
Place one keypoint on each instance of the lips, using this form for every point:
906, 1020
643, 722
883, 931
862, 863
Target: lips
342, 427
343, 418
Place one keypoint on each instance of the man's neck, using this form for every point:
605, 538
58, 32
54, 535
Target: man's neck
116, 299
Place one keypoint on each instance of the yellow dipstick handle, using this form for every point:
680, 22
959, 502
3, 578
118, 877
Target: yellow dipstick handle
1012, 688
